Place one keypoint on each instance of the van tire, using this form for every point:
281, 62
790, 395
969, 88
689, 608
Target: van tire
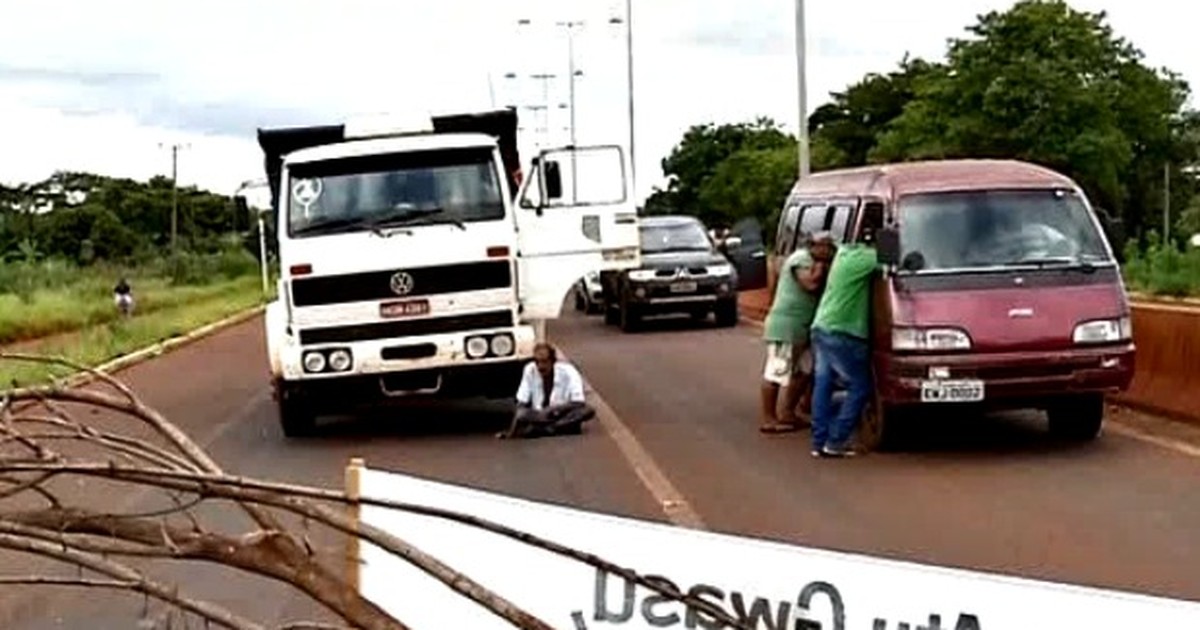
877, 431
1077, 419
295, 418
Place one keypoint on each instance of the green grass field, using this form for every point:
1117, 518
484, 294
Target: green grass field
53, 308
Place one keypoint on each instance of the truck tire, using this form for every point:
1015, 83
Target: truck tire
1078, 419
612, 316
295, 417
630, 319
726, 313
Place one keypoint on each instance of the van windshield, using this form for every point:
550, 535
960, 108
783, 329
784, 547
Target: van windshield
369, 192
982, 229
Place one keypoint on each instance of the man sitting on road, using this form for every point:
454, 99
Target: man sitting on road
550, 399
841, 349
785, 330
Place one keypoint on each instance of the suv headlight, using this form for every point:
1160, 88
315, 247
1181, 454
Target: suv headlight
930, 339
641, 275
1104, 331
720, 270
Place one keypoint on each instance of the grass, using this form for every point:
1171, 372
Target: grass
55, 308
96, 344
1163, 271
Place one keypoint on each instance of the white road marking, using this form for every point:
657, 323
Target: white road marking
1171, 444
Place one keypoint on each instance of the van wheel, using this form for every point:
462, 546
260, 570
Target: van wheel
295, 418
1077, 419
877, 430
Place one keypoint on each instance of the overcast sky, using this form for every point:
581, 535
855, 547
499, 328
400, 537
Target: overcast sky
98, 85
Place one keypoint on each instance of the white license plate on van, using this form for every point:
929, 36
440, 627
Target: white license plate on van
683, 287
951, 391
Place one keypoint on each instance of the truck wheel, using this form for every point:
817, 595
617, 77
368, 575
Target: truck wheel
629, 318
726, 313
580, 305
295, 418
1078, 419
612, 316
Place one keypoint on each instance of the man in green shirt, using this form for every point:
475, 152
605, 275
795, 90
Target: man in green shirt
785, 329
841, 352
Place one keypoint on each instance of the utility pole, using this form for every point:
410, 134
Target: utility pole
1166, 203
628, 20
571, 25
175, 147
802, 89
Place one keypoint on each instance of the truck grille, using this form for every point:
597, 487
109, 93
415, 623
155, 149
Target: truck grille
377, 285
407, 328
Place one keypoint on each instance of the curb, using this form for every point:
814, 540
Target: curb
150, 352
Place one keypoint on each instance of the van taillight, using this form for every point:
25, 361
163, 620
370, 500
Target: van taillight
300, 270
500, 251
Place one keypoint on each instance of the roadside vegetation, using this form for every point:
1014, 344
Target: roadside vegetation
1040, 82
67, 241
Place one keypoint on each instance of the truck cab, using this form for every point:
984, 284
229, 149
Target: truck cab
415, 257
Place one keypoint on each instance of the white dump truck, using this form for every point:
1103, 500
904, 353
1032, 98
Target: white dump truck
416, 258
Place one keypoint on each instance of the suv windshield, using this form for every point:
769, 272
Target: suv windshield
674, 237
981, 229
360, 193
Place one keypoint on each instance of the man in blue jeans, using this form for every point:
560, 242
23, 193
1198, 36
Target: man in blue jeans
841, 351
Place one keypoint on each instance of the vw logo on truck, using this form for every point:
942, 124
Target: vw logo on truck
402, 283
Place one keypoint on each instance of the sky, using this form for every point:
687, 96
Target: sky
108, 87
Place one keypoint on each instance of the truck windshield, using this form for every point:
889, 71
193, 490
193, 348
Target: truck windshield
674, 237
988, 229
361, 193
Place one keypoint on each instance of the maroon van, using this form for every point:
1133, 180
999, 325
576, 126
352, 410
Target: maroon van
1000, 290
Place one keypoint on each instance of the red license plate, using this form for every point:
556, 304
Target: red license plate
408, 308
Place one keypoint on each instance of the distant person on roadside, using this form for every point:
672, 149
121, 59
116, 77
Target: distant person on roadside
786, 331
123, 297
842, 353
550, 399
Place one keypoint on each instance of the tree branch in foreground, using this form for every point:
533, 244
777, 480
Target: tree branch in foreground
181, 467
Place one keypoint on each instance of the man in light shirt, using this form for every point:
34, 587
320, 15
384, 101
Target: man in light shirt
550, 399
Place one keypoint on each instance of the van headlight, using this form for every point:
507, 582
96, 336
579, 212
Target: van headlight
1103, 331
641, 275
340, 360
720, 270
314, 361
477, 347
930, 339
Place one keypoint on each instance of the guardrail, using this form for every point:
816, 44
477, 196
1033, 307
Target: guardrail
1167, 333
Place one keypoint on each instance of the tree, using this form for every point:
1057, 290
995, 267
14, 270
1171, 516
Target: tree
703, 147
1048, 84
848, 127
42, 442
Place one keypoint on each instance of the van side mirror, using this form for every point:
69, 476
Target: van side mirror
731, 242
888, 246
554, 184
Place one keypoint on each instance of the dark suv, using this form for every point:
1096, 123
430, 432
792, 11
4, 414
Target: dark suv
681, 272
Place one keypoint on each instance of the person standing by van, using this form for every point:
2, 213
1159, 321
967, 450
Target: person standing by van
841, 351
786, 330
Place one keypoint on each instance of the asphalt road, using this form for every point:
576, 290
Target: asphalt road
983, 493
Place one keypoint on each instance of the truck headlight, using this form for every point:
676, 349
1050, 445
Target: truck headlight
502, 345
340, 360
1103, 331
930, 339
641, 275
476, 347
313, 361
720, 270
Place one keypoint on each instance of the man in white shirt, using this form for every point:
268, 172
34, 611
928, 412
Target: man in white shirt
550, 399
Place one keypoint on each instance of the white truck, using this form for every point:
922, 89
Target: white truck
416, 259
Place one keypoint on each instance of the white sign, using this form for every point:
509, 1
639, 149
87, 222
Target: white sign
776, 585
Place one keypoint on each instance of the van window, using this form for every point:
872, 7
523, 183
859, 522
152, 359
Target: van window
996, 229
813, 219
786, 232
840, 221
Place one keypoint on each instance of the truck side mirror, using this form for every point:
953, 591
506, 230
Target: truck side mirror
554, 185
888, 246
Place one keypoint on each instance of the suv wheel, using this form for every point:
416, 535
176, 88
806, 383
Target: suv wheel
726, 313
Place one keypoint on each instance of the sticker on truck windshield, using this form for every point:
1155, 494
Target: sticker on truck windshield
306, 191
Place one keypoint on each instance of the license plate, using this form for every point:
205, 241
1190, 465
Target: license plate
408, 308
951, 391
683, 287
